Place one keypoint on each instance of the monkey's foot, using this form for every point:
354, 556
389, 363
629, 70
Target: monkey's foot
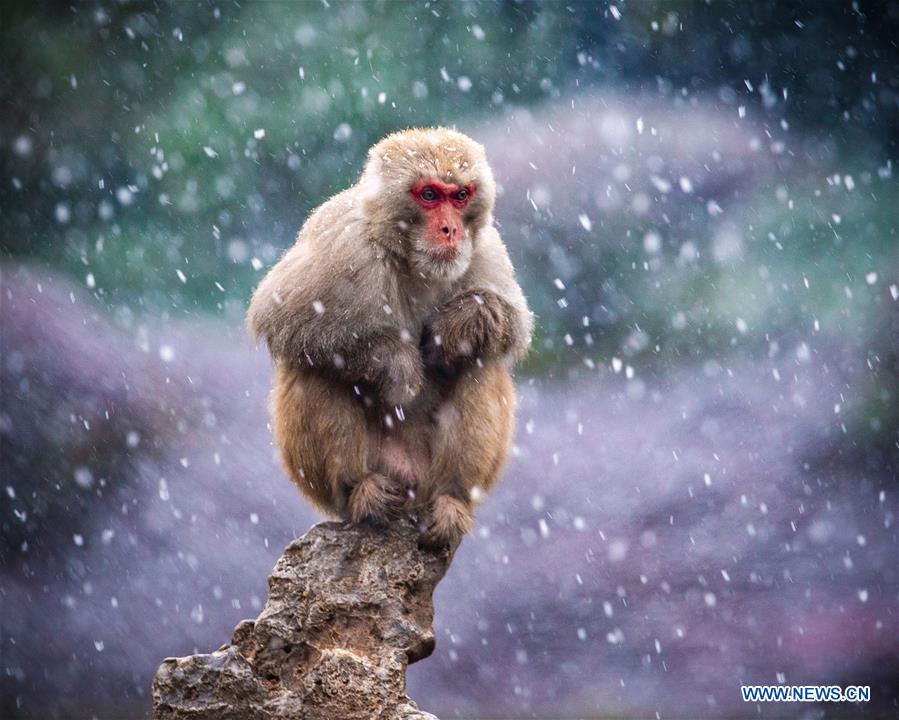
451, 520
377, 498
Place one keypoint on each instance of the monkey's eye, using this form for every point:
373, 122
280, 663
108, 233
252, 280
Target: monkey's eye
429, 194
462, 195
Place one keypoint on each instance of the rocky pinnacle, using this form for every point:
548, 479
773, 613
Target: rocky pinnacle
349, 607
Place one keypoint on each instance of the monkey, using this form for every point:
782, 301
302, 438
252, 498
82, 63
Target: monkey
394, 323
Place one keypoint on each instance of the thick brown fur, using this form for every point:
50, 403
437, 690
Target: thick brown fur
393, 391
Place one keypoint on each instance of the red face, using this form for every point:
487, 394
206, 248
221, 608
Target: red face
443, 205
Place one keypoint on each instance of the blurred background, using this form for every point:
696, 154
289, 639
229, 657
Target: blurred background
701, 201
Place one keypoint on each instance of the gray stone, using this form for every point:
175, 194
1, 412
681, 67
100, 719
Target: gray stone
349, 607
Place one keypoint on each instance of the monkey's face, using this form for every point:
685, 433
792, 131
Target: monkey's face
442, 245
429, 191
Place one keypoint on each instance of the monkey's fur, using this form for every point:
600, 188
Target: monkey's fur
392, 391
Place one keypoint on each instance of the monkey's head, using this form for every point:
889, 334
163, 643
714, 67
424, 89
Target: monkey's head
428, 192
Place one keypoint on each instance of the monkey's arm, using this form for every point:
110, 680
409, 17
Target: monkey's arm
488, 316
316, 315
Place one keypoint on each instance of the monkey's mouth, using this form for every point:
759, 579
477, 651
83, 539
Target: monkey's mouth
445, 253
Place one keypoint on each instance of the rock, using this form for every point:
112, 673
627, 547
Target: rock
349, 607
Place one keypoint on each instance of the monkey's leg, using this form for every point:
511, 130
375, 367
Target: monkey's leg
326, 446
471, 442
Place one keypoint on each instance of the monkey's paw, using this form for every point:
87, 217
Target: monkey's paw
377, 498
401, 375
475, 323
397, 371
451, 520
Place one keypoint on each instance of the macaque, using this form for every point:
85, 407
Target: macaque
394, 322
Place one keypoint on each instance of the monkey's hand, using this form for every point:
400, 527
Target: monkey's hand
396, 371
475, 323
